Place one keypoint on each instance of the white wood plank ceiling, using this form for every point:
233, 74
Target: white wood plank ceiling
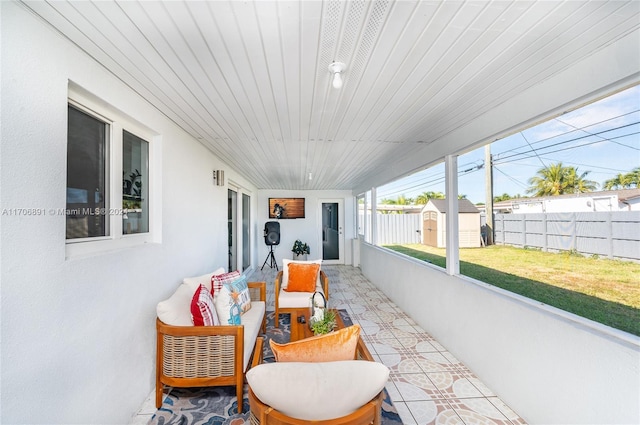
250, 80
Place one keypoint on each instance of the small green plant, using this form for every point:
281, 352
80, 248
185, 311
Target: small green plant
300, 248
326, 325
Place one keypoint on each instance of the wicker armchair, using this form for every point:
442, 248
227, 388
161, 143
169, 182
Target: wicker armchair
203, 356
289, 308
261, 414
368, 414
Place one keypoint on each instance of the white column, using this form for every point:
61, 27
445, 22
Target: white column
374, 214
451, 192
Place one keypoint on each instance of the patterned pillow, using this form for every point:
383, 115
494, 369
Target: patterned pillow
231, 294
217, 281
203, 310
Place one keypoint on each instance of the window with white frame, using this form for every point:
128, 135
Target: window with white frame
108, 176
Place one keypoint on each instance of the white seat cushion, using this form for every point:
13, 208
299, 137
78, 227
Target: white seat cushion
252, 322
317, 391
297, 299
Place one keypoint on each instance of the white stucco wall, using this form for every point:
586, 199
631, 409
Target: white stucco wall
78, 335
308, 229
550, 366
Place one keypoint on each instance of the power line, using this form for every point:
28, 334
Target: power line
572, 140
425, 184
518, 182
539, 159
502, 160
573, 131
591, 134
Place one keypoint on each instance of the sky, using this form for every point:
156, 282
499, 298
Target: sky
602, 138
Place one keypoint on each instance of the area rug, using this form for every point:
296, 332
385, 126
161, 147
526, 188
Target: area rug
219, 406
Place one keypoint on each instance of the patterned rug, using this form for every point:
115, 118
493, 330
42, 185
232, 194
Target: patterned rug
219, 406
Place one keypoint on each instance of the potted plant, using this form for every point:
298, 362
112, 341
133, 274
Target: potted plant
323, 322
300, 250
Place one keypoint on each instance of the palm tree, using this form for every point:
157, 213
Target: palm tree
558, 180
634, 177
618, 182
624, 181
579, 183
424, 197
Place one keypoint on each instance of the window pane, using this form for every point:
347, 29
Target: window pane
135, 184
86, 176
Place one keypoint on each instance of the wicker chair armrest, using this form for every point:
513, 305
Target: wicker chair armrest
362, 352
258, 290
257, 352
278, 281
324, 280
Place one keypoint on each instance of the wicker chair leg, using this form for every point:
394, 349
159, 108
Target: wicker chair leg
239, 393
159, 394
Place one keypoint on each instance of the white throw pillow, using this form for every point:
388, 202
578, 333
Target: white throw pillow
285, 270
205, 279
176, 310
317, 391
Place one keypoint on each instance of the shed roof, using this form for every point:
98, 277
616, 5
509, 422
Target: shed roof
465, 206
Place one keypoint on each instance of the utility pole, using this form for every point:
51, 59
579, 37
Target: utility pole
488, 188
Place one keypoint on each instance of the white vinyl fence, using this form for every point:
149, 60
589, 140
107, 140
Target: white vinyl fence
607, 234
396, 228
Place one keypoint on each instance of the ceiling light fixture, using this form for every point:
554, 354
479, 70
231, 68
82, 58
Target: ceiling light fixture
336, 69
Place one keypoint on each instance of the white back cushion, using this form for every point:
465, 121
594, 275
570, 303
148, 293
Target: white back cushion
205, 279
317, 391
176, 310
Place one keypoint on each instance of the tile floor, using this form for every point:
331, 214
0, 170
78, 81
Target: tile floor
427, 384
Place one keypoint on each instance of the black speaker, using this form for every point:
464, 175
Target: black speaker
272, 233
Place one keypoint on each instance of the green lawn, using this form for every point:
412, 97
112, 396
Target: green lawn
606, 291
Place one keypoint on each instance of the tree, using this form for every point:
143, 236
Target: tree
578, 183
624, 181
557, 179
401, 200
424, 197
503, 197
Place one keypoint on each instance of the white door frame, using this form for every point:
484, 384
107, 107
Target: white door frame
340, 203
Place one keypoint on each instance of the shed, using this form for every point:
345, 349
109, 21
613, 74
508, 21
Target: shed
434, 228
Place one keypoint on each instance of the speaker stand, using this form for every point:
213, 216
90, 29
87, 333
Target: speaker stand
271, 258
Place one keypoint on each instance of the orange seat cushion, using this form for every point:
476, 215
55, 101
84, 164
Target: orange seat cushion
331, 347
302, 277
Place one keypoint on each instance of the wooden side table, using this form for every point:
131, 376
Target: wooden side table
302, 330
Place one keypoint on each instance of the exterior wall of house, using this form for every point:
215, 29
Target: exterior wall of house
308, 229
550, 366
578, 204
78, 335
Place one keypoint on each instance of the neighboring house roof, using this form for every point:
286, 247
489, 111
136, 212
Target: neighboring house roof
627, 194
464, 206
623, 195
